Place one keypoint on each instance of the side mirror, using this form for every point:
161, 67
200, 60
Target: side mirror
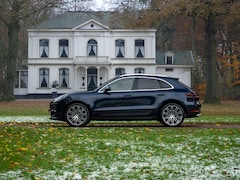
106, 91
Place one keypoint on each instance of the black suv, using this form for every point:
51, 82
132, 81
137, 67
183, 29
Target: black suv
129, 97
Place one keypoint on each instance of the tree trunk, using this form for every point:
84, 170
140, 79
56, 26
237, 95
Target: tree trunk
1, 70
193, 25
13, 29
211, 66
12, 54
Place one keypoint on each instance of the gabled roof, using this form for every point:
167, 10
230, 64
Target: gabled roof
70, 20
90, 23
180, 57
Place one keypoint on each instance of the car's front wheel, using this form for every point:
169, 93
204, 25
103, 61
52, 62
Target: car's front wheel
77, 115
172, 114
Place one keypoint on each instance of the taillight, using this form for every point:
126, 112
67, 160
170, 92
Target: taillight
192, 96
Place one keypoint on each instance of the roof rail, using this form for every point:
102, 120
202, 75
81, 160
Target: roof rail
141, 74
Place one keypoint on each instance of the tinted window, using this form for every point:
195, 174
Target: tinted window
164, 85
121, 84
144, 83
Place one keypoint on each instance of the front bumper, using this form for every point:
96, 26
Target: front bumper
54, 113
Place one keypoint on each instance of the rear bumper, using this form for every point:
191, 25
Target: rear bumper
193, 112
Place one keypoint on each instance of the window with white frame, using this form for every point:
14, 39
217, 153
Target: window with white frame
21, 79
120, 48
44, 48
139, 48
64, 77
63, 48
92, 47
120, 71
139, 71
44, 77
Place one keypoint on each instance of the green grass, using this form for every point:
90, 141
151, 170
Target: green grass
57, 151
214, 119
118, 153
24, 108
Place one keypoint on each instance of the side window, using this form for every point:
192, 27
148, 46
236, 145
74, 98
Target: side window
144, 83
44, 48
43, 77
164, 85
121, 85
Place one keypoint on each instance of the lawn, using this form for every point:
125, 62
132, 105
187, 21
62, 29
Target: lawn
119, 153
57, 151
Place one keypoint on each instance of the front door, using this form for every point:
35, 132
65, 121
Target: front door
91, 78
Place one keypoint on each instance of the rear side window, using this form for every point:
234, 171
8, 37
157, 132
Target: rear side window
164, 85
145, 83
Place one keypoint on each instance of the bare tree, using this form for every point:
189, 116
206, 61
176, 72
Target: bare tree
12, 14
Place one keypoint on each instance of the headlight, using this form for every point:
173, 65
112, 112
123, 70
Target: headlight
59, 98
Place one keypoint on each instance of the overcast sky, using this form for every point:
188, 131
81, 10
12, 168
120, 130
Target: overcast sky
103, 5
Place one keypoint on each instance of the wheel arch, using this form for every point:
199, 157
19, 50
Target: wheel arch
172, 101
73, 102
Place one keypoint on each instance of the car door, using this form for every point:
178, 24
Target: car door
145, 97
112, 99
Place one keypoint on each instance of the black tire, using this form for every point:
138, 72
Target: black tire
77, 115
172, 114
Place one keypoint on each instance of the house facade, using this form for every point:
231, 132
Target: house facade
78, 51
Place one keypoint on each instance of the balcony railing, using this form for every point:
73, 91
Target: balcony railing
50, 61
133, 61
91, 60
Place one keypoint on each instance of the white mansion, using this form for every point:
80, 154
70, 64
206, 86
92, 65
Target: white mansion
81, 50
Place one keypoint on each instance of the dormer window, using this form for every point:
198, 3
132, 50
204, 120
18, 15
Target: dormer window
169, 58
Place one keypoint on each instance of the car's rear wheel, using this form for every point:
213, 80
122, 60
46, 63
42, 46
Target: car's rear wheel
77, 115
172, 114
